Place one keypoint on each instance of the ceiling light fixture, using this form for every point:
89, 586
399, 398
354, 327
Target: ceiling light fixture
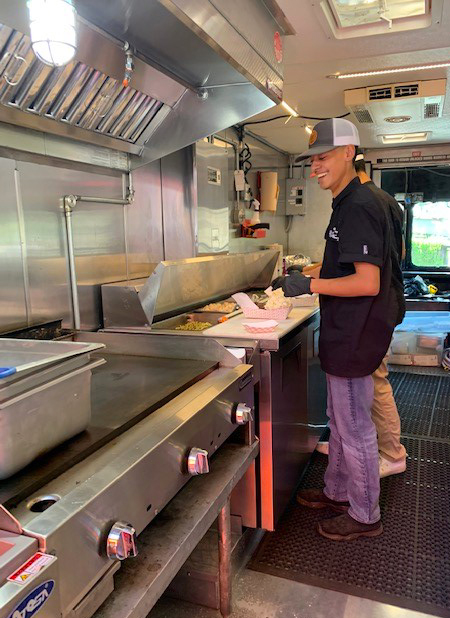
289, 109
53, 30
405, 138
420, 67
397, 119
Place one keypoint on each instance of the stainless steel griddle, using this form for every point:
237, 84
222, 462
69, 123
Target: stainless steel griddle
125, 390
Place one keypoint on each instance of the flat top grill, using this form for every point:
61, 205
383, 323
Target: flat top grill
124, 391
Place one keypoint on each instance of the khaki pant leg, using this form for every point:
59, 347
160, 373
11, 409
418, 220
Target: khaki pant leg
385, 416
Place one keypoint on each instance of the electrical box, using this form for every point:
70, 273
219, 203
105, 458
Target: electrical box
295, 194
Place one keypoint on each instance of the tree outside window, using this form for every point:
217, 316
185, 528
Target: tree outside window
430, 242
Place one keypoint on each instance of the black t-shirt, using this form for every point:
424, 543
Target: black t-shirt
395, 216
356, 332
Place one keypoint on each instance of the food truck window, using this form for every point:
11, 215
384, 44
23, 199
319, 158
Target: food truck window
424, 194
430, 234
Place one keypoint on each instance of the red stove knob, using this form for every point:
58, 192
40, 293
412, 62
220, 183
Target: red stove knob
243, 414
121, 542
197, 462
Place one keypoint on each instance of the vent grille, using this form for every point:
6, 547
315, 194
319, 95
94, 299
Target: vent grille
407, 90
432, 110
376, 94
75, 94
362, 115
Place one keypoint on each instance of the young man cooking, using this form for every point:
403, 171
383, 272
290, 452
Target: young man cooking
384, 409
358, 315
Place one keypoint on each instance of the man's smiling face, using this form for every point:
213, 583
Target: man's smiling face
328, 167
331, 167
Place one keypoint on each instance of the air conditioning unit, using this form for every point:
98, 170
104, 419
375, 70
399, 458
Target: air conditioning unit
397, 103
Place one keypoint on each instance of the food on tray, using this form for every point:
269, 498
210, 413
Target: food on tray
277, 300
223, 307
193, 326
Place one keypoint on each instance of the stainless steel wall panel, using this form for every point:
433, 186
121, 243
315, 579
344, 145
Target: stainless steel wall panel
98, 235
179, 199
212, 188
144, 225
12, 293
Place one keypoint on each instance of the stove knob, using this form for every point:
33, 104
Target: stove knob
121, 542
243, 414
197, 462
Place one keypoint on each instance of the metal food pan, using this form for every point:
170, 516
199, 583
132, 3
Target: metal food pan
227, 300
19, 357
184, 318
28, 381
36, 421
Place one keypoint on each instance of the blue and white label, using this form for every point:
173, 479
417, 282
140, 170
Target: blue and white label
34, 601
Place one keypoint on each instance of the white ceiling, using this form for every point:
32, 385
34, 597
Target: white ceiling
313, 53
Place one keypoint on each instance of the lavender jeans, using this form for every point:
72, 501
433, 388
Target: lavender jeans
353, 473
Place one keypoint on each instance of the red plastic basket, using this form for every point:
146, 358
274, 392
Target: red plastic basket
268, 314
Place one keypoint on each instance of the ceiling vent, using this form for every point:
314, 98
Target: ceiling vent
362, 115
420, 100
432, 110
406, 90
375, 94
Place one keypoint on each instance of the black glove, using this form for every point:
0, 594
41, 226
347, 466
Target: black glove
293, 284
294, 268
276, 283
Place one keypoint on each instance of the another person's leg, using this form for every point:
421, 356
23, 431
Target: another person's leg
387, 423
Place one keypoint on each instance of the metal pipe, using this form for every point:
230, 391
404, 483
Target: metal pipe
99, 200
224, 522
23, 246
68, 203
68, 206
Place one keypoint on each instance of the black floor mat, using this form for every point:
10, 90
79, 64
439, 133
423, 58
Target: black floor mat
409, 565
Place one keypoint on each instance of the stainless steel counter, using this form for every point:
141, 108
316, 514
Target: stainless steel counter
233, 330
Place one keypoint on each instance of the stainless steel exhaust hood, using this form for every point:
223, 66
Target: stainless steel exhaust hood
200, 66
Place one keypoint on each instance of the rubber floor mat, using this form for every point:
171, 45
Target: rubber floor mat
409, 565
423, 403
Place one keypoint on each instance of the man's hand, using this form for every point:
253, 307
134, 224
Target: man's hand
312, 268
293, 284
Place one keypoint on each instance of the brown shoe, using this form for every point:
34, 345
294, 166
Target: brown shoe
345, 528
316, 499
